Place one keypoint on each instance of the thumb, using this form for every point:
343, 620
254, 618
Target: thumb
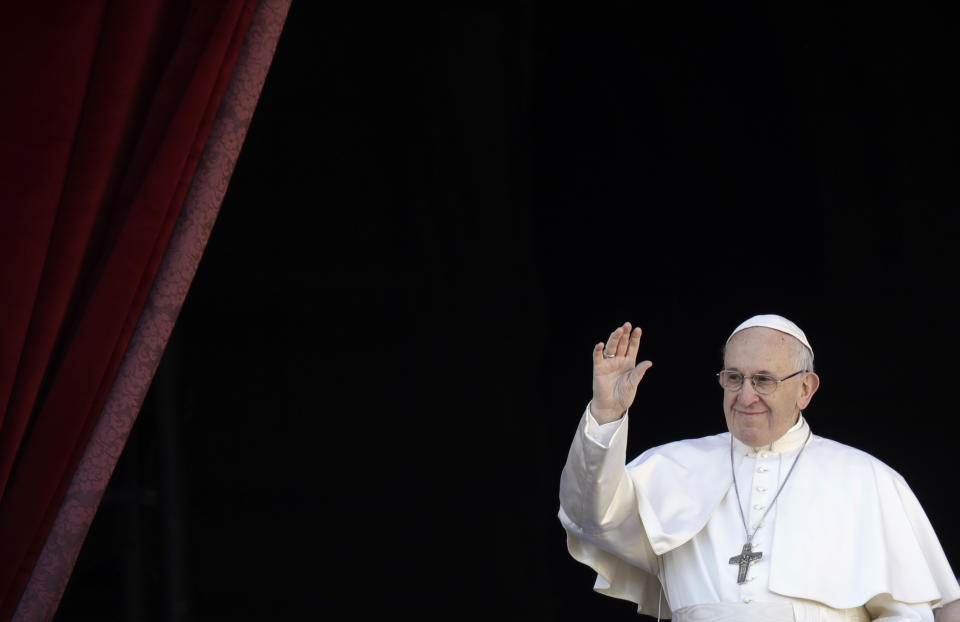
637, 373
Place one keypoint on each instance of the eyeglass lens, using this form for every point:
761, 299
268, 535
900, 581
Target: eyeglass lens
732, 381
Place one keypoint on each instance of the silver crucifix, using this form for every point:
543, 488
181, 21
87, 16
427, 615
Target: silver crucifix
745, 559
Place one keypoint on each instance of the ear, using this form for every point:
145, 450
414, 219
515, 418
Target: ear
809, 386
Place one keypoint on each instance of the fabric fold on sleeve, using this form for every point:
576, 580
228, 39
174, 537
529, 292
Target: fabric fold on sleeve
598, 510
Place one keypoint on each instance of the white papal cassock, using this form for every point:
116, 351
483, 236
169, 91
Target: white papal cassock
846, 539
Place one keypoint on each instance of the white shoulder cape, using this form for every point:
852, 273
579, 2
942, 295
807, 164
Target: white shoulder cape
849, 527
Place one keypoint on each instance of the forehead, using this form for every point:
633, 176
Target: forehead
760, 349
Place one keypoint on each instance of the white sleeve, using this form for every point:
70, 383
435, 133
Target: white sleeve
598, 498
884, 607
602, 434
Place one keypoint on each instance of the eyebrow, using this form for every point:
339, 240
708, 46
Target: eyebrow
762, 371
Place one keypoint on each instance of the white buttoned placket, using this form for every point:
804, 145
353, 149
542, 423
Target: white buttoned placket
759, 475
757, 491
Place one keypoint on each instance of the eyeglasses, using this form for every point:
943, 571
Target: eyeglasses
764, 384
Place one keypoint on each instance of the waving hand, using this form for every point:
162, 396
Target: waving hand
616, 373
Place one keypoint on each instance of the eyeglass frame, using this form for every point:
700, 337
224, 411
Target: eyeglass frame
753, 382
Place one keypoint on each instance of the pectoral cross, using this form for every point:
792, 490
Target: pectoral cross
745, 559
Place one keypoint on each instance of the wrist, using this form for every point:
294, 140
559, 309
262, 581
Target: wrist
605, 415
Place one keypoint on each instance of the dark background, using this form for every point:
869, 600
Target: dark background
440, 209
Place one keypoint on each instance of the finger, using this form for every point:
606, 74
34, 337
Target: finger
634, 345
598, 354
623, 342
612, 342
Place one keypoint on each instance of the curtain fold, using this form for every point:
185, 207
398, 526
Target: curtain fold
106, 111
39, 125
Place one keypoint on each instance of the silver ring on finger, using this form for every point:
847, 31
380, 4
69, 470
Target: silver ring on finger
608, 356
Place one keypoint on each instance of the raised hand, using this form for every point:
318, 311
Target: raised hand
616, 374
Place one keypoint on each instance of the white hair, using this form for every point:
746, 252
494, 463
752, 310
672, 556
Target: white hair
804, 358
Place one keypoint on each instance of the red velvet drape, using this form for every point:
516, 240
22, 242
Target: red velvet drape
104, 111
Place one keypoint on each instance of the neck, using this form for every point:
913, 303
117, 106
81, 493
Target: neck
790, 440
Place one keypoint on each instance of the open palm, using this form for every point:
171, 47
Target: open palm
616, 374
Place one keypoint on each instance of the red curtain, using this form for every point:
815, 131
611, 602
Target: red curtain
105, 109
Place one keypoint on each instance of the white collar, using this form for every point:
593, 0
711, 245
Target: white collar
792, 439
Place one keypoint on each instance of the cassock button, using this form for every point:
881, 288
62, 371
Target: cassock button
759, 506
761, 489
748, 600
762, 469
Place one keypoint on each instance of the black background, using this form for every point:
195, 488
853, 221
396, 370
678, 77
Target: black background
440, 209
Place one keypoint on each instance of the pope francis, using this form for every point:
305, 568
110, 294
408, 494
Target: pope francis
765, 522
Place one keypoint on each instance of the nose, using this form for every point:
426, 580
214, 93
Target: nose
747, 394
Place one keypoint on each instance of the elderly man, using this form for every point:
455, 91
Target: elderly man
766, 522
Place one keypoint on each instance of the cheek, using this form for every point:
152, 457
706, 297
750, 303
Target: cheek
789, 401
782, 407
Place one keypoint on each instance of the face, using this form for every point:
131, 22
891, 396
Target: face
755, 419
